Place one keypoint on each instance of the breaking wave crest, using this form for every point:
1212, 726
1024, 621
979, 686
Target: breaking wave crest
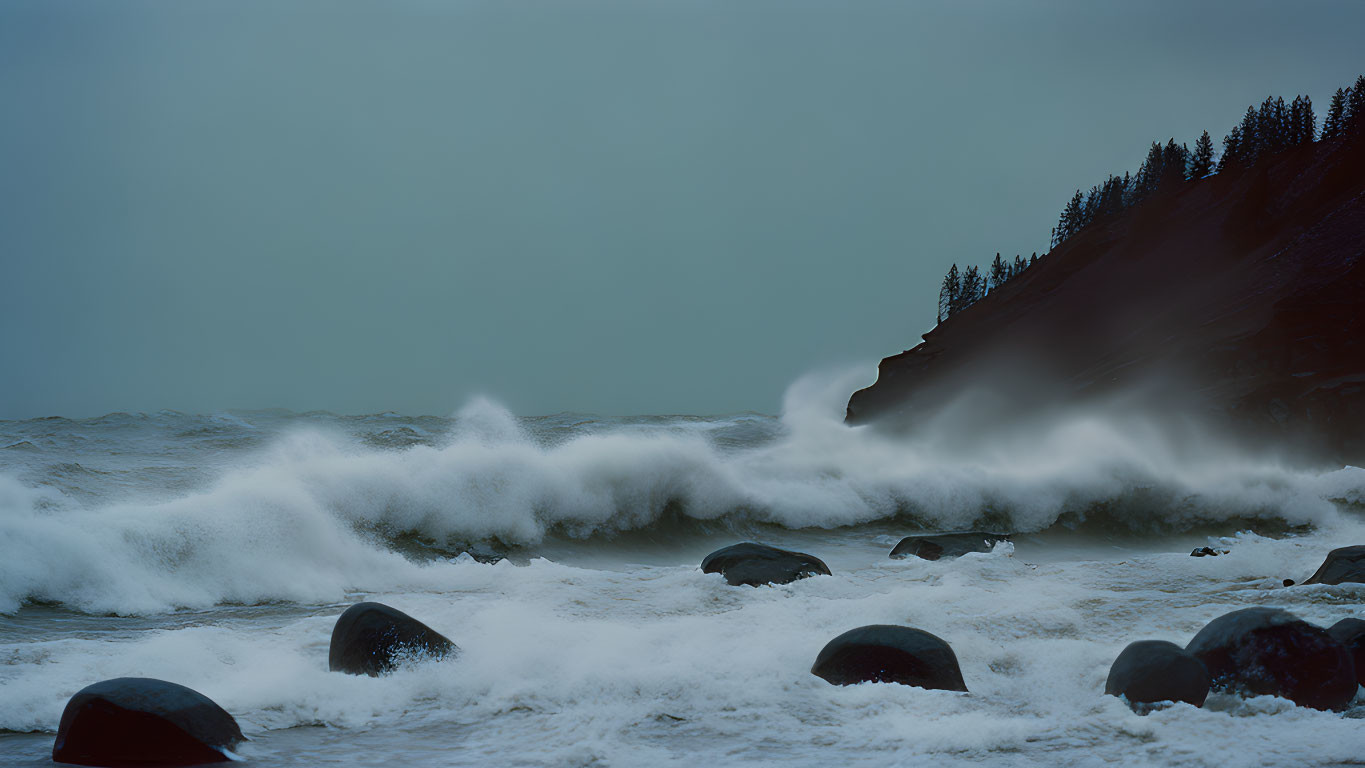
316, 513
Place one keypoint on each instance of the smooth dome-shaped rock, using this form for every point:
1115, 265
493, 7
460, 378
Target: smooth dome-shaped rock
1150, 671
132, 721
757, 564
1268, 651
941, 545
1342, 566
370, 638
885, 653
1351, 633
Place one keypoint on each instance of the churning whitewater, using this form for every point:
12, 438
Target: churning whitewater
217, 551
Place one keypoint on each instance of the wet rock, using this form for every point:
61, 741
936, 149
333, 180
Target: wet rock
140, 721
485, 555
1342, 566
1150, 671
947, 544
757, 564
1268, 651
1351, 633
1208, 552
370, 639
885, 653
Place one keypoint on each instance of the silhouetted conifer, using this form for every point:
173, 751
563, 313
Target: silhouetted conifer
1019, 266
1302, 122
1111, 196
1250, 146
948, 294
1272, 126
1090, 209
1070, 222
1174, 158
1201, 162
972, 287
1000, 272
1232, 149
1335, 121
1354, 118
1149, 174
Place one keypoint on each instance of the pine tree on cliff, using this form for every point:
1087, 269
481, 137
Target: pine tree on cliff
1272, 125
948, 294
1250, 148
1149, 173
1019, 266
1335, 121
1070, 221
1033, 259
1310, 122
1302, 123
972, 289
1232, 149
1354, 120
1090, 209
1000, 272
1174, 158
1201, 162
1111, 196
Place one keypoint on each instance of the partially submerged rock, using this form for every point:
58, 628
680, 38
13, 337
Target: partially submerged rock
1351, 633
1151, 671
885, 653
757, 564
131, 721
1268, 651
484, 555
1208, 552
939, 545
370, 639
1342, 566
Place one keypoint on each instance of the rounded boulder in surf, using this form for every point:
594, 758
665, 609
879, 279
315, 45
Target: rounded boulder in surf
130, 721
757, 564
1268, 651
885, 653
1152, 671
371, 638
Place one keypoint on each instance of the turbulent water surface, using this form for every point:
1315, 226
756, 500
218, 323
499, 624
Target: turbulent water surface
216, 551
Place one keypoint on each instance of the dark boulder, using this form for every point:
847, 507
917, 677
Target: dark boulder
1150, 671
485, 555
947, 544
1342, 566
757, 564
1351, 633
370, 639
884, 653
132, 721
1268, 651
1208, 552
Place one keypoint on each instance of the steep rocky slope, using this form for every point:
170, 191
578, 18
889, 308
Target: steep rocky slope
1240, 298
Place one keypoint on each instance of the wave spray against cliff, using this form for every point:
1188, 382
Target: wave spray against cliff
321, 506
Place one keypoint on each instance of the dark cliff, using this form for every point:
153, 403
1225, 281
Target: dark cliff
1247, 288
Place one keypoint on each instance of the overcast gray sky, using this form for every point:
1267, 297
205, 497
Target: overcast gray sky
654, 206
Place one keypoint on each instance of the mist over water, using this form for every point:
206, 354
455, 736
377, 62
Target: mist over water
323, 505
217, 551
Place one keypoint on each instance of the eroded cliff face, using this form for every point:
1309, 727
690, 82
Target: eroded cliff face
1239, 298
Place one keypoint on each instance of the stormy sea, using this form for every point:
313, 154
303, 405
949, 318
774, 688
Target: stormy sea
561, 554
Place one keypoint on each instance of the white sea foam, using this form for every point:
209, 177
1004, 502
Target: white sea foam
562, 665
314, 514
